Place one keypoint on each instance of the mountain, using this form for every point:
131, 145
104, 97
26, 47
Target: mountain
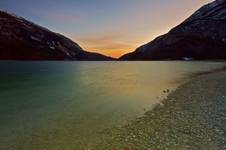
200, 37
23, 40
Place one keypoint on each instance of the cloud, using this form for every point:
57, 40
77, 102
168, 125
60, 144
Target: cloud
57, 16
111, 43
63, 17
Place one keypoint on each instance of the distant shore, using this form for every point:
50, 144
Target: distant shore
192, 117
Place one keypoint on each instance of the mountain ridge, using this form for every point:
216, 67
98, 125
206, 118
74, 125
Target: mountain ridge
201, 36
21, 39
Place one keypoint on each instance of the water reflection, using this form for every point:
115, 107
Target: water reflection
65, 104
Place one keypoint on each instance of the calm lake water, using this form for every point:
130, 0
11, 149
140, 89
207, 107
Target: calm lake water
66, 105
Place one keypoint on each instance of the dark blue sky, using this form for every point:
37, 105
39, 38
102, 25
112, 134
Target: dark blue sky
112, 27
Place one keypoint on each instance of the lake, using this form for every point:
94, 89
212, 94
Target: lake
66, 105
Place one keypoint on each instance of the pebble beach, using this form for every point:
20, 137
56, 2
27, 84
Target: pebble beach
192, 117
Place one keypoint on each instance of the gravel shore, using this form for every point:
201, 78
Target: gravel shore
192, 117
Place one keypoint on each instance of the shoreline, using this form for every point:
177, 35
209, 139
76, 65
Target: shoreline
191, 117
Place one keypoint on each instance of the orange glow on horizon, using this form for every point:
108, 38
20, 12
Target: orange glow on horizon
112, 53
112, 44
134, 29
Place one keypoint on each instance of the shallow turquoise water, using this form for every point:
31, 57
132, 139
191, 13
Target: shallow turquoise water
64, 105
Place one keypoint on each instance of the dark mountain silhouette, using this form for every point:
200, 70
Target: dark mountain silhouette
202, 36
24, 40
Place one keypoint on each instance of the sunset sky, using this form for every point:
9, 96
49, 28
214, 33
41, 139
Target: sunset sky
110, 27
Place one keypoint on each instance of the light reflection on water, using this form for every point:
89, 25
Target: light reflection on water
64, 104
